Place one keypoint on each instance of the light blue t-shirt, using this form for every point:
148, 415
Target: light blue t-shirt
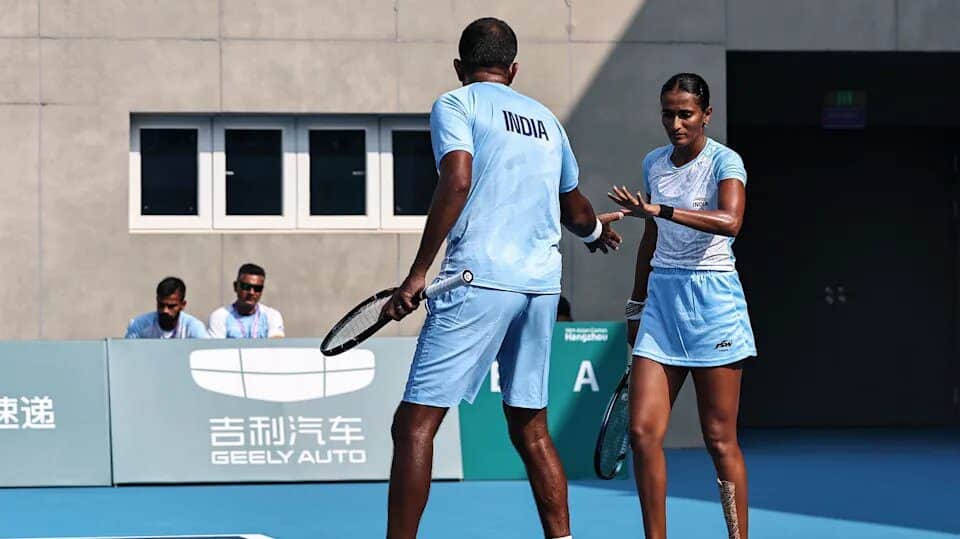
694, 186
147, 326
263, 323
509, 231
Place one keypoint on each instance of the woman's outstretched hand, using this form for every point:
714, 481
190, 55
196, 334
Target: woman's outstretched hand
633, 204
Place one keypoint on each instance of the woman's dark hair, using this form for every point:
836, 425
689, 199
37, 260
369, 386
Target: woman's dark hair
488, 42
690, 83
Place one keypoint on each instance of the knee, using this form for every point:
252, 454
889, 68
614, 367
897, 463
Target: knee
721, 446
646, 437
410, 433
528, 441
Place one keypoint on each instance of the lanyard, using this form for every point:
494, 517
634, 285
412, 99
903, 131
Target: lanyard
256, 323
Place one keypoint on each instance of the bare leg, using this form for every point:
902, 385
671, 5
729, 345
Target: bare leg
718, 401
653, 389
414, 426
528, 432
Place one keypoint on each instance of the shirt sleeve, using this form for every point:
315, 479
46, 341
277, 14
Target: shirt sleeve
647, 163
196, 330
217, 329
274, 324
728, 165
133, 330
450, 127
569, 169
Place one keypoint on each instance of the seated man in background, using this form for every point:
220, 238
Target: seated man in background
168, 321
247, 318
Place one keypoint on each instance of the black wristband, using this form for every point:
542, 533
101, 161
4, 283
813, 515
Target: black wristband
666, 212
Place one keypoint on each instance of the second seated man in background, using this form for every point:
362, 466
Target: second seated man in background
247, 318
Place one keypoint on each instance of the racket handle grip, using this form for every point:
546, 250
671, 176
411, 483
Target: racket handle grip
465, 277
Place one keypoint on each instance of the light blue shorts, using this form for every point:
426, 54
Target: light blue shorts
470, 327
695, 319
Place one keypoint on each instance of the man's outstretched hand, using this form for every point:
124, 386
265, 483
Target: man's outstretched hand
609, 239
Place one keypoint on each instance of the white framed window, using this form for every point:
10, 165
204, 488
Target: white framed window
338, 173
170, 173
254, 173
279, 173
408, 173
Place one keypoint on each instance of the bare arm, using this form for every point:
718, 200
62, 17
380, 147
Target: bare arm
725, 220
648, 245
577, 215
456, 176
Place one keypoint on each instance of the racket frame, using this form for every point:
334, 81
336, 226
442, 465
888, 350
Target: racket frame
463, 278
364, 334
598, 450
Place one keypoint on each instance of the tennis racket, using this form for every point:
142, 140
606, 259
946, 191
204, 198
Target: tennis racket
365, 319
612, 442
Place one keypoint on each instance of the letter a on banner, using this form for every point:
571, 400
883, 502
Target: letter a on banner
586, 376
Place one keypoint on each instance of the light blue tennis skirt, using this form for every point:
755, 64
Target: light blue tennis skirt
695, 319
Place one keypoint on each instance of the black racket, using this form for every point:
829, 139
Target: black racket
613, 440
365, 320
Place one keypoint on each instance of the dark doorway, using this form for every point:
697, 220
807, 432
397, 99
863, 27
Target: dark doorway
848, 250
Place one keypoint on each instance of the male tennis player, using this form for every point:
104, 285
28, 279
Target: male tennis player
508, 178
169, 321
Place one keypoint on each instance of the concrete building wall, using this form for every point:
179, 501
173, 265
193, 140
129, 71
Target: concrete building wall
72, 72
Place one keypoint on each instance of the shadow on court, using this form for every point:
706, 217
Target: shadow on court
903, 478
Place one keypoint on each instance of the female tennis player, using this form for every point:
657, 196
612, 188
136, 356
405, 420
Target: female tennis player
687, 313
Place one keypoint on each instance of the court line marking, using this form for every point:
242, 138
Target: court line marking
148, 536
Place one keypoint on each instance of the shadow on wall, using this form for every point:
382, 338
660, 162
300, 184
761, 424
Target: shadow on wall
615, 121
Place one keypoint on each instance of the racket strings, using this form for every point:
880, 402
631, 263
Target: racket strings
615, 440
361, 321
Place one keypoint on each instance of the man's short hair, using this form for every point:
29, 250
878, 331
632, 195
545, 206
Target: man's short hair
251, 269
488, 42
171, 285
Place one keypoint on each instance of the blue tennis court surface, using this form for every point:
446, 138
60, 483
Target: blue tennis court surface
804, 484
